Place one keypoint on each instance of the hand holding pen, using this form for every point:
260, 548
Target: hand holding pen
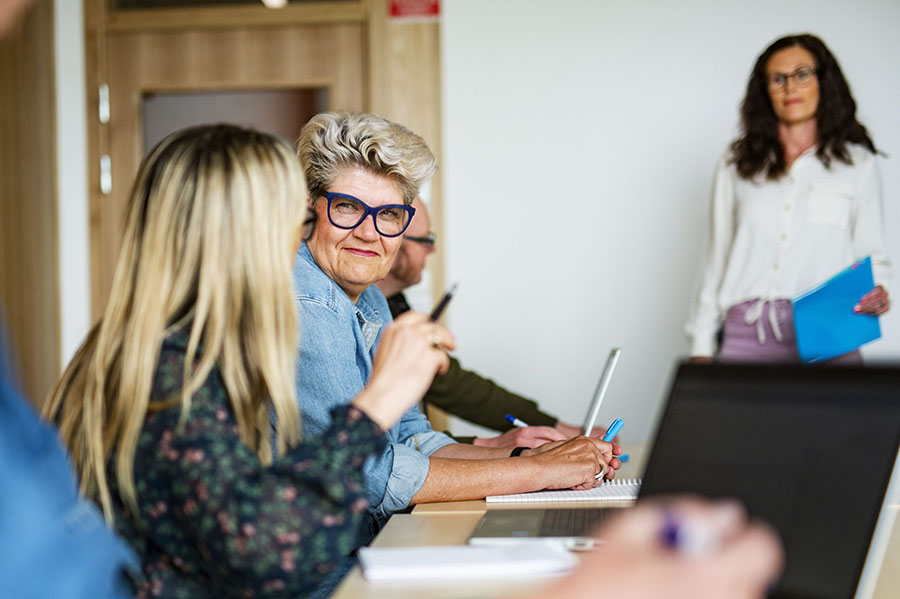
436, 314
555, 435
611, 433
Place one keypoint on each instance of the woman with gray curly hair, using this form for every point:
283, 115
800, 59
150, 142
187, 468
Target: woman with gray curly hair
357, 166
368, 159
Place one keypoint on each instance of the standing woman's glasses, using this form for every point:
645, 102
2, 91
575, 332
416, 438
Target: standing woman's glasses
802, 77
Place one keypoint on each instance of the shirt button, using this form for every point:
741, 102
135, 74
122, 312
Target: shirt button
775, 266
787, 207
783, 236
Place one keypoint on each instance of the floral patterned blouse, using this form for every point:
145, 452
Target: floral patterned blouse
213, 522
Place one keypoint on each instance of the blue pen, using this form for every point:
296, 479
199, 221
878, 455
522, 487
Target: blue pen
613, 429
611, 432
515, 421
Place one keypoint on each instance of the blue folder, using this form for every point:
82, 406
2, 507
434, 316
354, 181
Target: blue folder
824, 320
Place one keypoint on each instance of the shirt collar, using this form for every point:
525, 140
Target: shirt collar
311, 282
808, 154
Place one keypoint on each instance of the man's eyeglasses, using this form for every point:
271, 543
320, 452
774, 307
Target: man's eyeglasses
802, 78
309, 224
428, 241
348, 212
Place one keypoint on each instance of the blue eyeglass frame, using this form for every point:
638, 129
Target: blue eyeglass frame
329, 195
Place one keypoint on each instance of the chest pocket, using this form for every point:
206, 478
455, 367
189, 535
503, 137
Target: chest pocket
828, 205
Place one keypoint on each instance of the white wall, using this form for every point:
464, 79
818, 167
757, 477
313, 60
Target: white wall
72, 177
580, 139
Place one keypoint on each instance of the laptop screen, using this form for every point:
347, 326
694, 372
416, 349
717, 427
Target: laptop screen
809, 449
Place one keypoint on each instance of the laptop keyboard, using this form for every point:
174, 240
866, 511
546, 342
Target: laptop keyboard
573, 522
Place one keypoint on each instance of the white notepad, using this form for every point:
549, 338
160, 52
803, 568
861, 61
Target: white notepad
613, 490
543, 558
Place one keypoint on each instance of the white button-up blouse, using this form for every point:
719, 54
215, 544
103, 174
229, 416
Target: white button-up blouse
774, 239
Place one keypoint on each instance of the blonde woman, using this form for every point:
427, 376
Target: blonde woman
165, 407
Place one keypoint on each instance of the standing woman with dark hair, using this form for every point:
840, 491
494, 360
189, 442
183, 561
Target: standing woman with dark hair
796, 199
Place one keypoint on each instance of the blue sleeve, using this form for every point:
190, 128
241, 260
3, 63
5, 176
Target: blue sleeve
414, 430
402, 469
54, 544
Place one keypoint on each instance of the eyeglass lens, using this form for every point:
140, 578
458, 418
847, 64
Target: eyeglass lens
348, 213
802, 77
428, 241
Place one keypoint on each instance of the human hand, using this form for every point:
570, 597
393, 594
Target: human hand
608, 472
573, 431
411, 352
575, 463
875, 302
721, 554
614, 463
528, 436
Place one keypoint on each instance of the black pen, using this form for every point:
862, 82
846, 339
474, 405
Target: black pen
439, 309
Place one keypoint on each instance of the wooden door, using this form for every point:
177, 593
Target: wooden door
221, 55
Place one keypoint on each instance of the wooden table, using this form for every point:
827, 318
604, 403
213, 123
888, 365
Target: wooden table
451, 523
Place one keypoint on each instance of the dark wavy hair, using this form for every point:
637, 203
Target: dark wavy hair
758, 149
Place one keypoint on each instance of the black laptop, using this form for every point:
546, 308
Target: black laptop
809, 449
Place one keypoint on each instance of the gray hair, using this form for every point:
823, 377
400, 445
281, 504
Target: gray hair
331, 141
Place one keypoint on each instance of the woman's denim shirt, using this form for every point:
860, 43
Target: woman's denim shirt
337, 343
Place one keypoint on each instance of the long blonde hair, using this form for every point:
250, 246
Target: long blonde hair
213, 216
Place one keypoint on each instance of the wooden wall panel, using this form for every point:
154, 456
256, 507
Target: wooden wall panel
29, 281
405, 86
227, 17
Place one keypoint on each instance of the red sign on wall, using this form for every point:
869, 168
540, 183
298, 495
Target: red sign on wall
419, 9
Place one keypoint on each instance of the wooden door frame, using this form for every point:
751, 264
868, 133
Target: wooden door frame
401, 81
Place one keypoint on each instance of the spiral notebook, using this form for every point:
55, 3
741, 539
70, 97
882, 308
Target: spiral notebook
613, 490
